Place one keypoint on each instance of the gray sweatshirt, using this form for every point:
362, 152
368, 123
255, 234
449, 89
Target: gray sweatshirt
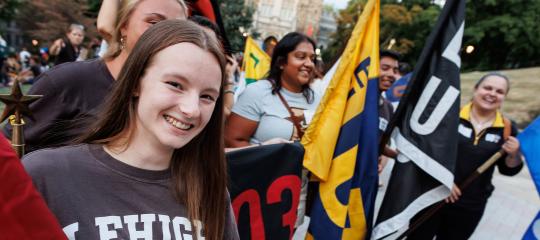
95, 196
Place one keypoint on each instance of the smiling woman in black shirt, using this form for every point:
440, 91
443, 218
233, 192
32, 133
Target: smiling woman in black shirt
481, 134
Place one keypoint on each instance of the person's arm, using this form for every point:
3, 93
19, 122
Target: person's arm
107, 18
57, 45
238, 131
228, 94
389, 152
511, 162
511, 147
454, 195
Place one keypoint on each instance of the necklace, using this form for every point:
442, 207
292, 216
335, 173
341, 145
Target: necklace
478, 125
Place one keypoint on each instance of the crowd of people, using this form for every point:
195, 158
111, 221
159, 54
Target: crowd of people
25, 66
140, 130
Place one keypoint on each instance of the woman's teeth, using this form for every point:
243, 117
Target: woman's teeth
177, 123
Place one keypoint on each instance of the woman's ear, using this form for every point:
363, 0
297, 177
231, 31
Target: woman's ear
123, 29
281, 62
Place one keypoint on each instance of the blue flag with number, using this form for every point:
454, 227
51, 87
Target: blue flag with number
530, 147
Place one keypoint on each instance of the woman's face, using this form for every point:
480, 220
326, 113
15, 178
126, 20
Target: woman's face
298, 70
75, 36
148, 13
490, 94
176, 101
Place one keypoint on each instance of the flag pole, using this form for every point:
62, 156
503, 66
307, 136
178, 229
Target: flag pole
17, 106
462, 186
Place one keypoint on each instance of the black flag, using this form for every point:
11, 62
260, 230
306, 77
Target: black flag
265, 188
426, 127
211, 10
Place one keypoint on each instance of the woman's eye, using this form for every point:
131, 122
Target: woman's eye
175, 84
153, 21
208, 97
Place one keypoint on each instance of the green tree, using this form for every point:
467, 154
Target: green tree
47, 20
406, 23
409, 27
345, 23
8, 9
504, 33
236, 16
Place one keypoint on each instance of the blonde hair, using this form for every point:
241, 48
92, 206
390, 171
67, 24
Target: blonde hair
124, 13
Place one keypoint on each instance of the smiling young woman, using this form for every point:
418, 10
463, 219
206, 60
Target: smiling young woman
481, 134
274, 108
73, 91
155, 157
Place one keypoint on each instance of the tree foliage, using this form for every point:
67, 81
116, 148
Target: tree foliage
236, 15
504, 33
8, 9
407, 23
47, 20
408, 26
345, 23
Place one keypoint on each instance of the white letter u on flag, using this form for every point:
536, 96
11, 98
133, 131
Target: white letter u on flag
440, 111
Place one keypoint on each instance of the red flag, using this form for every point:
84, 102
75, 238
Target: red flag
23, 213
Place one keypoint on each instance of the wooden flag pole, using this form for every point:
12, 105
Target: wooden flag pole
424, 217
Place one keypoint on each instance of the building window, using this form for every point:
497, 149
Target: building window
266, 7
286, 10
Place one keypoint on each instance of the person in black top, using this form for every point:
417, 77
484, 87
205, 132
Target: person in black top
73, 91
481, 134
67, 48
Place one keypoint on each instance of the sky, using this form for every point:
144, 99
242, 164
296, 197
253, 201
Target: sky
339, 4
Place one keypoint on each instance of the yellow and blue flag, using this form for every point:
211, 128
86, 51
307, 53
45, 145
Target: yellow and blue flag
256, 62
341, 142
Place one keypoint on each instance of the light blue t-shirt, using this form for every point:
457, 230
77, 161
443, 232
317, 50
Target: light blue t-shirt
257, 103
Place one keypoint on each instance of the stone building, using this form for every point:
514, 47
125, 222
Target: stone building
309, 16
327, 26
279, 17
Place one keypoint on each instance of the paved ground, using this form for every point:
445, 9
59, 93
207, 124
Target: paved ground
510, 210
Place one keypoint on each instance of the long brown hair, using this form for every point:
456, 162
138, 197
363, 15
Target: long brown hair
198, 169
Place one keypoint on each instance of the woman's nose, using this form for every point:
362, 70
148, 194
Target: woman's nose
189, 106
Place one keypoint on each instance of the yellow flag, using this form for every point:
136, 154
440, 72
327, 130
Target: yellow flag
256, 62
341, 143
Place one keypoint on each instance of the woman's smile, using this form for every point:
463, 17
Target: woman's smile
177, 123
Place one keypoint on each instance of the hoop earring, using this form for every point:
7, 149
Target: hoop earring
122, 42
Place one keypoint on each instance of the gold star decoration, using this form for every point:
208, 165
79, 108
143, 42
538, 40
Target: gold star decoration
17, 103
